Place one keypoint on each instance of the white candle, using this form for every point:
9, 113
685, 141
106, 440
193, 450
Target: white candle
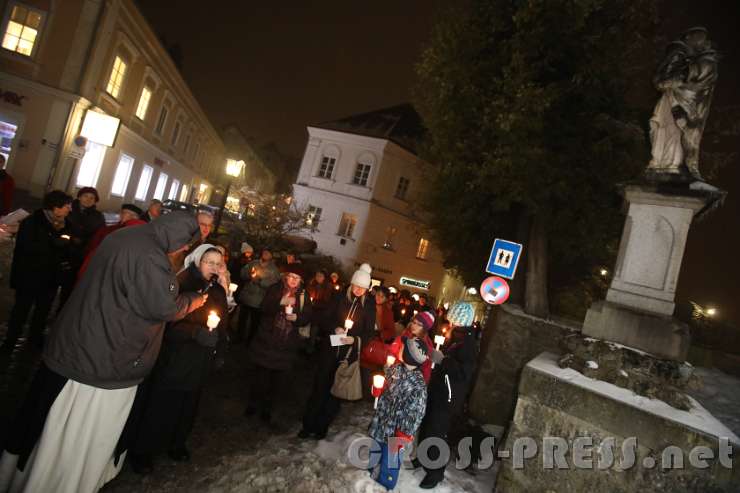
213, 320
390, 360
65, 237
288, 309
378, 381
439, 340
233, 287
348, 324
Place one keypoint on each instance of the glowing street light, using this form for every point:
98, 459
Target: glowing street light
472, 290
604, 272
711, 312
234, 169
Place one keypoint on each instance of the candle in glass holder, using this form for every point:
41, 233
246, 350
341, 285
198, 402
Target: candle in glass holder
213, 320
439, 340
390, 360
378, 383
233, 287
288, 309
348, 324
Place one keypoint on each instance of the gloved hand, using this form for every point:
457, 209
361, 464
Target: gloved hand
206, 338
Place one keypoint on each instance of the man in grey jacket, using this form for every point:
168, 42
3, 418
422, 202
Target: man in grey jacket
103, 344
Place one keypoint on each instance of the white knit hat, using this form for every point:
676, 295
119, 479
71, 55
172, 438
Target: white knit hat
246, 247
361, 277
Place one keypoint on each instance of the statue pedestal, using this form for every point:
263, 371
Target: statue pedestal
640, 302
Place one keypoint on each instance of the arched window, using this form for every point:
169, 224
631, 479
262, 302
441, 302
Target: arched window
365, 163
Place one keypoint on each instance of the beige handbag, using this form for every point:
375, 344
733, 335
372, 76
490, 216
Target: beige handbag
347, 379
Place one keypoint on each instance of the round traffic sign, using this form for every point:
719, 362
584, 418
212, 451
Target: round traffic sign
494, 290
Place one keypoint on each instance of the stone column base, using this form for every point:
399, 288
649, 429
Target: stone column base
662, 336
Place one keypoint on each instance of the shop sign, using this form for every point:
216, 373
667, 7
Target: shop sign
415, 283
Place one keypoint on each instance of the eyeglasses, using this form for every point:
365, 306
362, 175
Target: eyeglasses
213, 264
293, 276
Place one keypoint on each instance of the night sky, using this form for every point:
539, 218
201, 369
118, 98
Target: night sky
273, 70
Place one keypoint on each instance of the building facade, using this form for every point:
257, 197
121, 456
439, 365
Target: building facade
360, 181
64, 62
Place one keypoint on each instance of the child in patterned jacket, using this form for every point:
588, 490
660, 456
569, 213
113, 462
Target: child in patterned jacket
401, 408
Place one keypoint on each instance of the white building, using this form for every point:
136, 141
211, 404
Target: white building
360, 180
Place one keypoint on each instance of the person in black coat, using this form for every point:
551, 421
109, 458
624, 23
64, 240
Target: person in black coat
277, 341
447, 393
84, 221
355, 304
185, 361
40, 260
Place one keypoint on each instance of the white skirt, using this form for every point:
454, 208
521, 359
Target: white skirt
75, 451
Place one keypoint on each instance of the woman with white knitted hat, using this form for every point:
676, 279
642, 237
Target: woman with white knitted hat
351, 313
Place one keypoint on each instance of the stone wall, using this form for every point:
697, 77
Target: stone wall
511, 339
561, 403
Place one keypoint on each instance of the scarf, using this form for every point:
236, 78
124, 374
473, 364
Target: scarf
282, 324
56, 223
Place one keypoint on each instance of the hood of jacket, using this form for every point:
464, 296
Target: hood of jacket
175, 230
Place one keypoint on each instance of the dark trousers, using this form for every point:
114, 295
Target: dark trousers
40, 299
168, 420
322, 407
436, 424
249, 320
264, 385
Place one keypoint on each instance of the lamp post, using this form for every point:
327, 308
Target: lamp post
233, 170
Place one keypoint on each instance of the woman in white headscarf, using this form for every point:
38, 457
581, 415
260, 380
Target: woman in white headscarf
188, 352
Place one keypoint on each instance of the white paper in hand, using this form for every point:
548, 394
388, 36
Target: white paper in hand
336, 339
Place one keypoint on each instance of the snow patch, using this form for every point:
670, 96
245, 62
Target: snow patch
592, 364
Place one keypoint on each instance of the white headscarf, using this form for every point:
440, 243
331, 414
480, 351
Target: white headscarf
195, 256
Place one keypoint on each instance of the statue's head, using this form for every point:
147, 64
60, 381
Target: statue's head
697, 37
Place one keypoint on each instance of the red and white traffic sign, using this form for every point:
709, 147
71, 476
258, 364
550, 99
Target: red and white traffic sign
494, 290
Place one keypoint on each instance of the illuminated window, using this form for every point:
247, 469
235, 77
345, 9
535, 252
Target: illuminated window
176, 133
423, 249
173, 190
327, 167
144, 180
390, 234
116, 77
162, 120
313, 216
123, 172
347, 225
161, 184
146, 96
184, 194
91, 163
402, 188
22, 30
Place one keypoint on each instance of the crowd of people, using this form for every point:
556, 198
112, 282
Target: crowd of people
145, 312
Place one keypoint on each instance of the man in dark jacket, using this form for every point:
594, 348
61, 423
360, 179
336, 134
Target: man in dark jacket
40, 257
84, 221
103, 344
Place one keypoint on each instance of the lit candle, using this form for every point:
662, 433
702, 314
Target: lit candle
233, 287
288, 309
390, 360
403, 311
66, 237
336, 287
415, 312
213, 320
378, 383
348, 324
438, 341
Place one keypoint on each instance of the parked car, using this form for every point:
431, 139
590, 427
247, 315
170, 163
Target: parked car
173, 205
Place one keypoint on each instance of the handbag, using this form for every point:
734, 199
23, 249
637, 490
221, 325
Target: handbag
374, 353
347, 379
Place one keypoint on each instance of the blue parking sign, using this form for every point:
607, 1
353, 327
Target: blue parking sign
504, 258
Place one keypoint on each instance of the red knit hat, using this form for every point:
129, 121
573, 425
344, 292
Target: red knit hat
425, 319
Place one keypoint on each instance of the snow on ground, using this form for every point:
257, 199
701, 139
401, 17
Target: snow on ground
697, 418
720, 394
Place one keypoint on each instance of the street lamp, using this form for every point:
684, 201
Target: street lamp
233, 170
711, 312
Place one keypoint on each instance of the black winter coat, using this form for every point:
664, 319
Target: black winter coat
83, 224
444, 402
271, 347
41, 256
336, 314
184, 364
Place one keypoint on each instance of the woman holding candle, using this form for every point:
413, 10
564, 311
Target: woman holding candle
419, 327
184, 363
285, 308
353, 316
